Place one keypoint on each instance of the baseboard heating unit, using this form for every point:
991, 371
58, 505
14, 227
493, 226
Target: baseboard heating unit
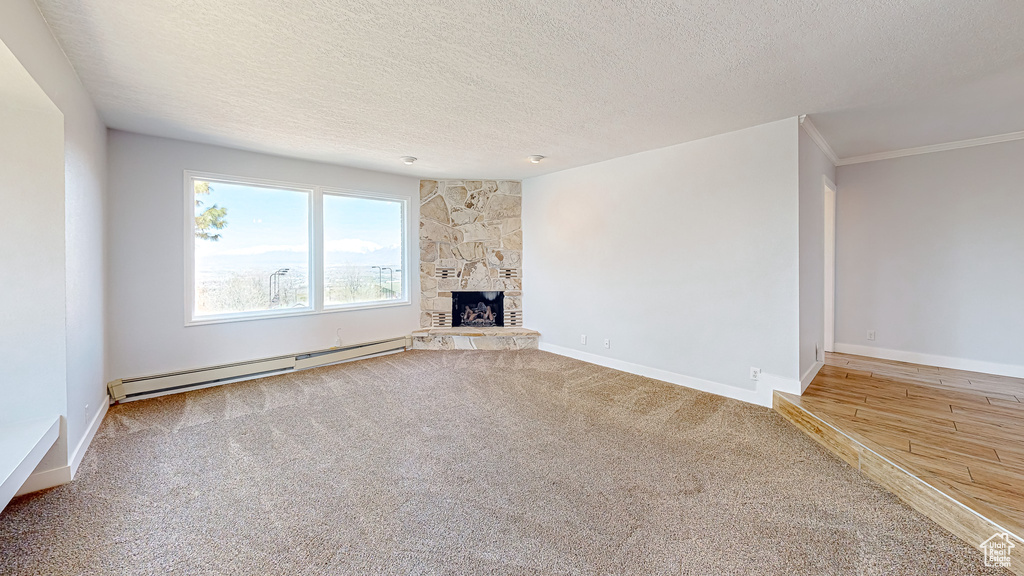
144, 387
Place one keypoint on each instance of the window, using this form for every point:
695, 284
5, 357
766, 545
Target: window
258, 249
362, 250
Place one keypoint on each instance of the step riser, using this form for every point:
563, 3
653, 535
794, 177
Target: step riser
959, 520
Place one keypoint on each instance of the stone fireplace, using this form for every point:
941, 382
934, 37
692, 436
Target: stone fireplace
471, 284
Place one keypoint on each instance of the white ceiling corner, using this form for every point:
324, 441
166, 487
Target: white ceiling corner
812, 131
473, 88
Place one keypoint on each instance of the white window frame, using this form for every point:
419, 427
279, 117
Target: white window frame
405, 300
315, 226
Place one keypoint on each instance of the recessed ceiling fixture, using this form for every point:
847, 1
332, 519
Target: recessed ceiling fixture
408, 160
536, 158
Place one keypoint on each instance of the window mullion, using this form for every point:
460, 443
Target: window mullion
316, 264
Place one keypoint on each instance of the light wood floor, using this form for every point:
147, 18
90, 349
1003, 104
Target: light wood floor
961, 432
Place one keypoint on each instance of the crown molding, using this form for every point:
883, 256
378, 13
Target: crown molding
812, 131
933, 148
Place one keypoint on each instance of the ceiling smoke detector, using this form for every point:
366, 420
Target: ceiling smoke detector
408, 160
536, 158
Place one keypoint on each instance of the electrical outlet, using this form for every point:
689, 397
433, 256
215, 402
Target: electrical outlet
755, 373
607, 343
87, 412
337, 342
819, 353
871, 334
583, 339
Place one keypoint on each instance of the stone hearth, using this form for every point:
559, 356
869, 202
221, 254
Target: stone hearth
466, 338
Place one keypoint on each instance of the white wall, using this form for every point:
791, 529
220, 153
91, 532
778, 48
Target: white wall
32, 351
685, 257
24, 31
146, 298
930, 255
814, 165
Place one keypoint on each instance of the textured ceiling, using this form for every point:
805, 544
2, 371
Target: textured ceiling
982, 106
472, 88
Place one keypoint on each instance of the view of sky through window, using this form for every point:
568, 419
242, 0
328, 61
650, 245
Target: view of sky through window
259, 259
362, 249
252, 249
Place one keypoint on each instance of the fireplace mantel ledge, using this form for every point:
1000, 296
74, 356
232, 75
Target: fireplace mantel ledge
475, 338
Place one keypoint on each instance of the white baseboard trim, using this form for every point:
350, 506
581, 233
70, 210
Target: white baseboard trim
761, 395
1011, 370
90, 433
808, 376
45, 479
63, 474
773, 383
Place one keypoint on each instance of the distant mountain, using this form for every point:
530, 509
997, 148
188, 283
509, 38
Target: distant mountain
391, 256
287, 259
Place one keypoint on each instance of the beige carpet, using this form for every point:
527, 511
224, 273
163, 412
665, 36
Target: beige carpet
464, 463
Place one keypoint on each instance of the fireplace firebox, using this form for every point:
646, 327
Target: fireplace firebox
478, 309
